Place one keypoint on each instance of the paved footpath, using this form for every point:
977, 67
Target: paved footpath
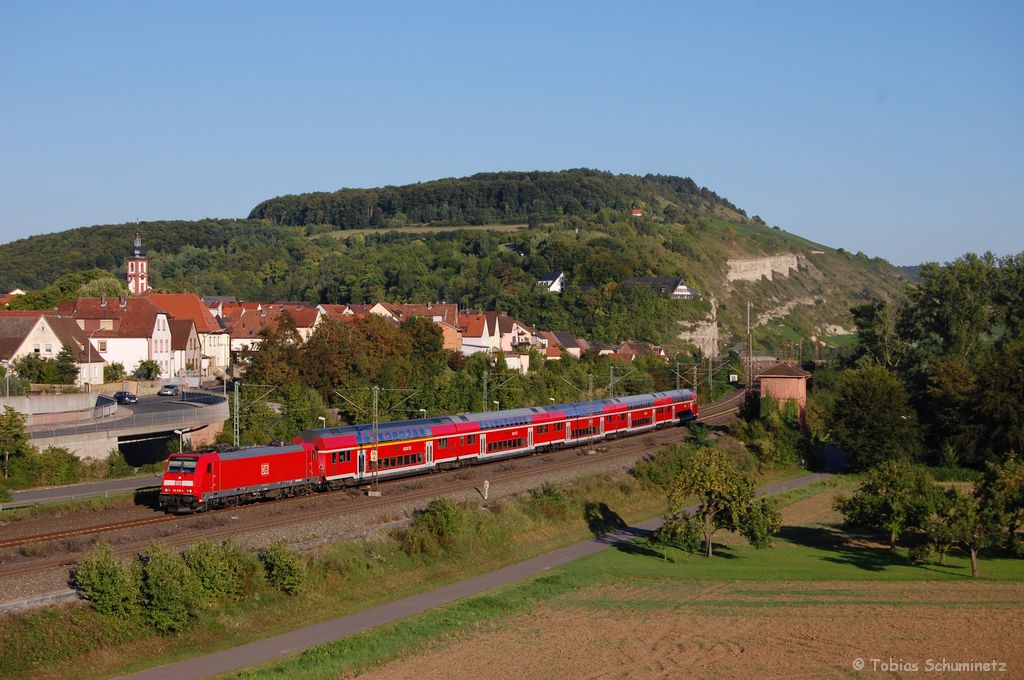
279, 646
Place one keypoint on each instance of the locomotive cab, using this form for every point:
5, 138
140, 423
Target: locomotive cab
180, 489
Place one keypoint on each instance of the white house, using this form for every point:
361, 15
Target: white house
553, 282
127, 331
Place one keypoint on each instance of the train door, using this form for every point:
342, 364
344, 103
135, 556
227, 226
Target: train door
568, 430
362, 462
600, 424
529, 437
430, 453
213, 470
483, 444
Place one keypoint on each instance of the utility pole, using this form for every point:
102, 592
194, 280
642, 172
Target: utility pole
711, 388
750, 353
590, 403
677, 376
376, 433
611, 381
237, 400
486, 401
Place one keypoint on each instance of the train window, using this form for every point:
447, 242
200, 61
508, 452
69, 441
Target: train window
442, 443
470, 438
334, 457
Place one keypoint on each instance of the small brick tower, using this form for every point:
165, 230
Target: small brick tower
137, 268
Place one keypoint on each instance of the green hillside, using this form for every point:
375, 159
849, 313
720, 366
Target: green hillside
369, 245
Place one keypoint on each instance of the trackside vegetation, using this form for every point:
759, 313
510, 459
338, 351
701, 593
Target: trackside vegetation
160, 605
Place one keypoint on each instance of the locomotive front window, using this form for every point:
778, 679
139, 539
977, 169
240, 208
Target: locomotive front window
188, 466
174, 465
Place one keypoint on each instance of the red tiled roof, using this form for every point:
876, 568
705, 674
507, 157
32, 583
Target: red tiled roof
784, 370
69, 333
13, 331
186, 306
181, 329
25, 312
133, 317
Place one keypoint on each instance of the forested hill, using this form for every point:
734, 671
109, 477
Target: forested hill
501, 197
425, 242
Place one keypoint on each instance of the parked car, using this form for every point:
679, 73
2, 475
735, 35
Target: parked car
124, 397
168, 391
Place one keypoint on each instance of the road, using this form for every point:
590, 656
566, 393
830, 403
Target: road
76, 491
279, 646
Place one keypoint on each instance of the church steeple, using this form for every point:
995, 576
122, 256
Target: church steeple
137, 267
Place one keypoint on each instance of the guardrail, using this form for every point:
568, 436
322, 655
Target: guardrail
212, 411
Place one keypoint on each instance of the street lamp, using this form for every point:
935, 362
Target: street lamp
7, 375
551, 399
497, 405
181, 440
423, 412
322, 421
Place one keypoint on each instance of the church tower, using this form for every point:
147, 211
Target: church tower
137, 268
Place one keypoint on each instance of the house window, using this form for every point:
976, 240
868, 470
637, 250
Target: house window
35, 348
131, 267
103, 345
49, 348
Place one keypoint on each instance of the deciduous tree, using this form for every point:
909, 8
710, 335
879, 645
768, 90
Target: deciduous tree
726, 499
894, 496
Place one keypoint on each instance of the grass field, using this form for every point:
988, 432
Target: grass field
808, 607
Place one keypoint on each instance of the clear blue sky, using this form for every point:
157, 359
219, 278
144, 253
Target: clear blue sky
896, 128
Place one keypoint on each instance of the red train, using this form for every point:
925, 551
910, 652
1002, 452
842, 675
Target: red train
343, 456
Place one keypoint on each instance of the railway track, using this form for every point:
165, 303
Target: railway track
610, 449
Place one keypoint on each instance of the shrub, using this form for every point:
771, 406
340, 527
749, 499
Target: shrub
110, 584
169, 589
548, 501
57, 466
5, 495
663, 467
443, 519
214, 573
283, 567
683, 532
117, 466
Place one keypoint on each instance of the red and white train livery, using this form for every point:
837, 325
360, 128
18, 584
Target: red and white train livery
343, 456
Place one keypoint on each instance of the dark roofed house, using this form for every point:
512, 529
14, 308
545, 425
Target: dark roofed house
553, 282
673, 286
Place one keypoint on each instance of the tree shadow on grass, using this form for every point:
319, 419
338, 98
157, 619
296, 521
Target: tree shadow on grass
837, 542
640, 548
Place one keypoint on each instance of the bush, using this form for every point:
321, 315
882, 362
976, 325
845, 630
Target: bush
169, 589
117, 466
684, 533
212, 567
109, 583
5, 495
283, 567
548, 501
443, 519
662, 468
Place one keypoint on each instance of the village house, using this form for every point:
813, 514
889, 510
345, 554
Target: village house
674, 287
214, 339
127, 331
553, 282
27, 333
186, 349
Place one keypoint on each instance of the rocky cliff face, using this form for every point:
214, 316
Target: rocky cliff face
756, 268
